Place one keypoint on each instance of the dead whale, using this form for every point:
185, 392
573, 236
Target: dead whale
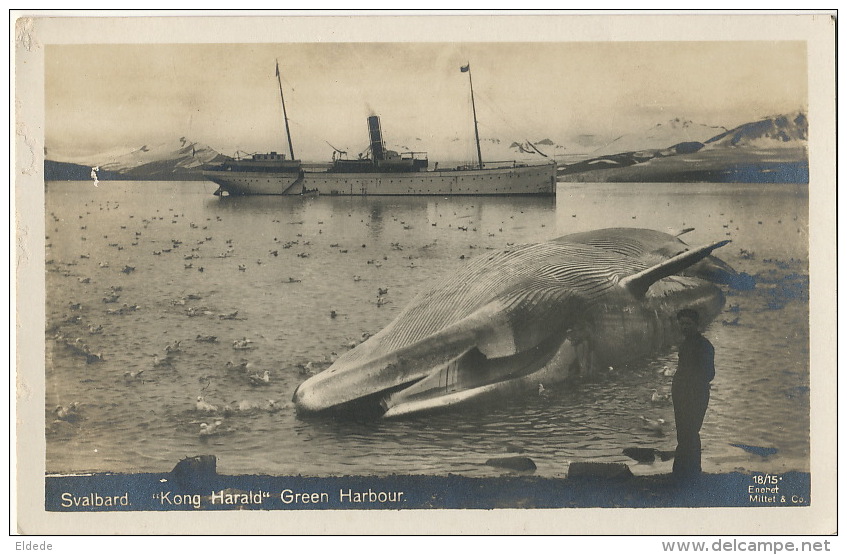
529, 314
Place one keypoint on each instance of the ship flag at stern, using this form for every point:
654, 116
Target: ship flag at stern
465, 69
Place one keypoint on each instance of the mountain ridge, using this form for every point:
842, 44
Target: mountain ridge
776, 146
183, 159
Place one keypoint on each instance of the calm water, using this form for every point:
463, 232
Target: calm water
285, 263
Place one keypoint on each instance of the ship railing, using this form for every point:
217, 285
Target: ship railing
491, 165
518, 163
413, 155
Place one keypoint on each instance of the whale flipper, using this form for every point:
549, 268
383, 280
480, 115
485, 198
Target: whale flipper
640, 282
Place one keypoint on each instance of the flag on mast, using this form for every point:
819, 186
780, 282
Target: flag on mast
466, 68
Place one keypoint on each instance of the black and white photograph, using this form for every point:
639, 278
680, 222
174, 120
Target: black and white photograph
380, 266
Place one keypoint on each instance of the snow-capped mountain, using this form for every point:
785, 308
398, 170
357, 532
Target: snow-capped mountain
772, 132
661, 136
769, 150
180, 156
176, 160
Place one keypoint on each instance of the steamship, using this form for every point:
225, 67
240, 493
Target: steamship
380, 172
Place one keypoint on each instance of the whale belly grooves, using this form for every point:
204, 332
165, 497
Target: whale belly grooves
526, 315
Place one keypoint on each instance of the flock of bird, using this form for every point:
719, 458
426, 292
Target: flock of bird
65, 330
194, 255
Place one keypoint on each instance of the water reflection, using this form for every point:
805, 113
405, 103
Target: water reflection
459, 212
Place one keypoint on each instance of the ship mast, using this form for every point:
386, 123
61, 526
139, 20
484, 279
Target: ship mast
284, 114
467, 69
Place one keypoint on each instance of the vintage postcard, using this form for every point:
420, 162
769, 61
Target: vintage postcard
472, 273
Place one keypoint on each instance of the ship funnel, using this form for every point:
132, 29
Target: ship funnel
377, 146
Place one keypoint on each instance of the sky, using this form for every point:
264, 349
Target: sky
118, 97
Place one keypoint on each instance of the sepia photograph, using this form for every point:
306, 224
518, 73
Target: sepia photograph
393, 265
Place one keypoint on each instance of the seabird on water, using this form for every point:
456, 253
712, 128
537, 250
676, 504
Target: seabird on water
69, 413
130, 375
204, 406
653, 425
209, 429
659, 397
242, 344
264, 379
241, 367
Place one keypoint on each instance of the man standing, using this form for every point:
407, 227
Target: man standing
690, 392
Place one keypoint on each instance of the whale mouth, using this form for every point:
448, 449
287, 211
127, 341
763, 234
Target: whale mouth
365, 408
469, 376
473, 377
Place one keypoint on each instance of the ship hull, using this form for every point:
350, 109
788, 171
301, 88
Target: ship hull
255, 183
518, 180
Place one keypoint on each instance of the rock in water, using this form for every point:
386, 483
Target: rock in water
607, 471
666, 455
522, 464
761, 451
640, 454
647, 455
195, 471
